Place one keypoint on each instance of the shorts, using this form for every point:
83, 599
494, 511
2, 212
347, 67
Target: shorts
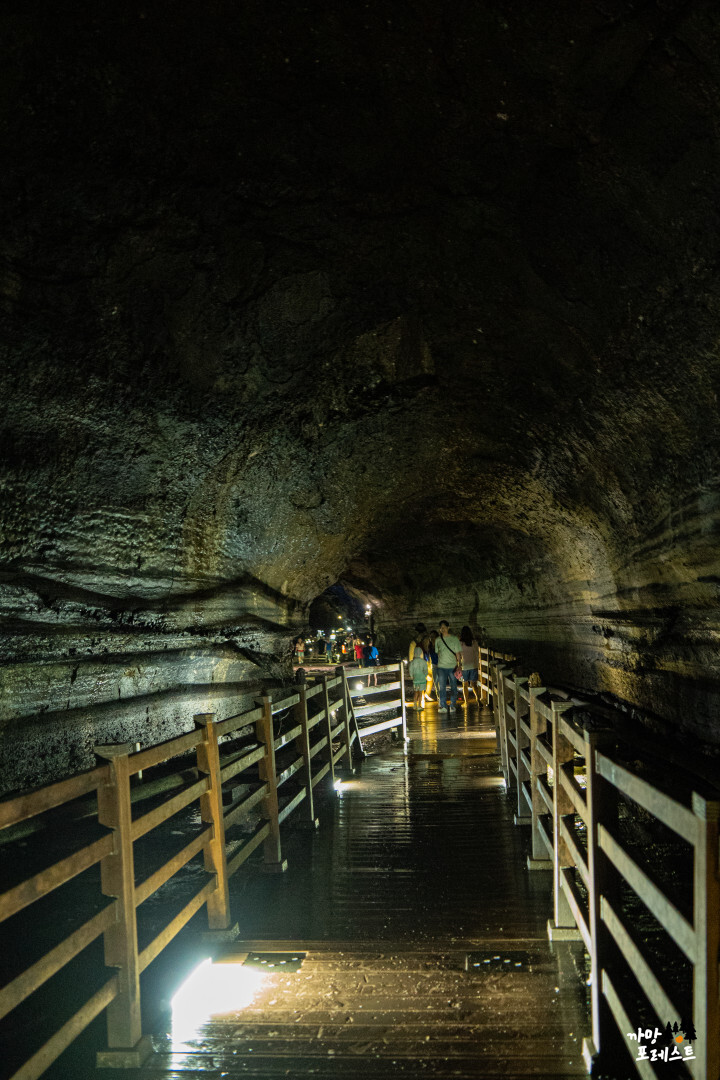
419, 685
470, 674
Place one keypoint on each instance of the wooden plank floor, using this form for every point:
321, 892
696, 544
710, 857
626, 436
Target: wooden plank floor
417, 863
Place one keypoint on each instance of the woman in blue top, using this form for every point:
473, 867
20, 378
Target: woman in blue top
371, 659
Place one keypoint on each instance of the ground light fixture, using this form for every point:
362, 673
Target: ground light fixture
209, 990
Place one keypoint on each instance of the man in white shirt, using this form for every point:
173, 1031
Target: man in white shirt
449, 652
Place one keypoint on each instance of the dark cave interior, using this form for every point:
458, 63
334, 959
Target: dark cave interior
420, 301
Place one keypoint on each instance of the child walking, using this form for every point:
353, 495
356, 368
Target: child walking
418, 673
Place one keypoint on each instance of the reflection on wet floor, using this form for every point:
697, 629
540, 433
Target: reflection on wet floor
416, 869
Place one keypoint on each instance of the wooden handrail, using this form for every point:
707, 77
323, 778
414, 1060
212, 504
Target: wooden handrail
666, 809
241, 811
21, 987
381, 688
287, 737
572, 898
114, 851
21, 807
53, 1048
573, 791
652, 896
534, 746
242, 762
577, 859
313, 691
239, 725
285, 703
643, 972
169, 808
356, 712
607, 862
544, 710
46, 881
248, 848
381, 706
573, 736
173, 928
155, 755
152, 883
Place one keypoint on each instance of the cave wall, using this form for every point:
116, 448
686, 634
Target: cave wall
418, 299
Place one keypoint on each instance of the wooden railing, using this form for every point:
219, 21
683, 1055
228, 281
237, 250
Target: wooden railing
570, 781
485, 673
301, 738
387, 697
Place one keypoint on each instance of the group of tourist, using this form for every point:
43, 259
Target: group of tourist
439, 659
338, 648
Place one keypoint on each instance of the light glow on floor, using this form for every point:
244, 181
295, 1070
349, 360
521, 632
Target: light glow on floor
211, 990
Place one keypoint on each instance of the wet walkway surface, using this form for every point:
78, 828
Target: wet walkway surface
421, 933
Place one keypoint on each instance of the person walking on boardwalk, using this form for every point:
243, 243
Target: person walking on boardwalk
418, 674
358, 647
371, 659
433, 662
449, 651
417, 641
421, 640
426, 645
470, 662
300, 650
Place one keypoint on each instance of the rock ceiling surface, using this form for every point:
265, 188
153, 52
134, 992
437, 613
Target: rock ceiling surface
421, 298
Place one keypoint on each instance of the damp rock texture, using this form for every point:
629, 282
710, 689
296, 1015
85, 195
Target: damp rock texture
423, 299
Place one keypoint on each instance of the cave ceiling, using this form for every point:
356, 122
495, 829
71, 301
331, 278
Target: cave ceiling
419, 297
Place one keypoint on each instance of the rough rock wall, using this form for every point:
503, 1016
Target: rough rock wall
422, 298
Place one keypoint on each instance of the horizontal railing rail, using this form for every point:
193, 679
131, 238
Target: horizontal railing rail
275, 754
571, 783
387, 698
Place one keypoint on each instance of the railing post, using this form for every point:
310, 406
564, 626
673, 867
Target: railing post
492, 681
538, 859
211, 812
706, 921
507, 691
328, 726
484, 659
274, 862
599, 801
346, 717
127, 1047
522, 815
351, 712
562, 926
500, 718
302, 744
401, 668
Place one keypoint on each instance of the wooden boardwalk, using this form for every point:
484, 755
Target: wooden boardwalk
424, 936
